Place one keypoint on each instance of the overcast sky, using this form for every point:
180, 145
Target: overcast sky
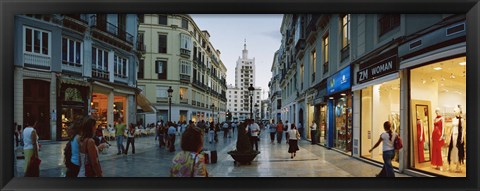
228, 32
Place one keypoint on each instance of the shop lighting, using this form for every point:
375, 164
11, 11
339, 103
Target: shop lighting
433, 80
441, 84
342, 94
462, 63
330, 98
452, 76
437, 68
442, 78
424, 81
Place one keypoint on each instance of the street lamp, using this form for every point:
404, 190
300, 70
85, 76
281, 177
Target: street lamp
213, 111
250, 92
170, 91
256, 110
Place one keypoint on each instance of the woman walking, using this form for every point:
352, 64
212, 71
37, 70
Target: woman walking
131, 138
189, 162
388, 138
293, 141
89, 163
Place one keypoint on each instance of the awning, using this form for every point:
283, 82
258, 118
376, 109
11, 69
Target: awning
74, 82
143, 103
376, 81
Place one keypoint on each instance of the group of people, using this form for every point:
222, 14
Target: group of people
166, 133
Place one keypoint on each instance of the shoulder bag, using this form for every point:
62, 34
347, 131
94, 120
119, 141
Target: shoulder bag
397, 144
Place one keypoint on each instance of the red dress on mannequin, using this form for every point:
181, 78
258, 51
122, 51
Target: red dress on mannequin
421, 156
436, 142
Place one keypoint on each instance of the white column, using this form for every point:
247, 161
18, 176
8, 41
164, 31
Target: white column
356, 123
111, 66
404, 87
53, 106
110, 108
18, 96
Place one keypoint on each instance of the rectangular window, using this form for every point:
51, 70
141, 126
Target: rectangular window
313, 65
387, 22
185, 24
183, 93
161, 69
37, 41
120, 66
162, 43
141, 68
162, 92
185, 67
162, 19
325, 53
71, 52
345, 30
141, 18
99, 59
185, 42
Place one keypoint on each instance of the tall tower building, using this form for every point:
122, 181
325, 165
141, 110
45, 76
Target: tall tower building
238, 96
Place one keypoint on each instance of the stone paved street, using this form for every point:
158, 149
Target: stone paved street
274, 161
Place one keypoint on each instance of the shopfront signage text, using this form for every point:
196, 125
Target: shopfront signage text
339, 81
386, 66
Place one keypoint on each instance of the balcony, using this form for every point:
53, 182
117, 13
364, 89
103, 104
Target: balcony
110, 33
185, 53
75, 22
141, 47
37, 61
300, 48
100, 74
120, 78
185, 78
72, 68
183, 101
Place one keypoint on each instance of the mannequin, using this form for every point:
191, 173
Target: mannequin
437, 140
456, 144
420, 139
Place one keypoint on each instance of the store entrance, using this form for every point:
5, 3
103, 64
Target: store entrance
36, 104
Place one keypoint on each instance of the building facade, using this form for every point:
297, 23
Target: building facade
239, 96
357, 71
275, 91
69, 66
178, 54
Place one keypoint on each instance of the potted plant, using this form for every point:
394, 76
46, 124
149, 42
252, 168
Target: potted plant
244, 153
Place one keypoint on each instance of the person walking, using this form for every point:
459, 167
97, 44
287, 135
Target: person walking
30, 143
211, 133
300, 129
225, 130
313, 132
293, 141
161, 135
131, 138
287, 129
119, 131
254, 132
273, 130
189, 162
388, 150
234, 125
72, 149
89, 163
171, 136
279, 132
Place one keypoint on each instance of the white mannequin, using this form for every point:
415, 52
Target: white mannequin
437, 111
453, 138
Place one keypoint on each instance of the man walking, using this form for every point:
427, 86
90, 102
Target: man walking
313, 132
119, 131
254, 131
279, 132
225, 130
171, 136
273, 130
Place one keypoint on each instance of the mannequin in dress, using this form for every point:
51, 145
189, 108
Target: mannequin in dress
456, 144
420, 139
437, 140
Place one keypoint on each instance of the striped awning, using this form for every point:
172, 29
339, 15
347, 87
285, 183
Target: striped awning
143, 103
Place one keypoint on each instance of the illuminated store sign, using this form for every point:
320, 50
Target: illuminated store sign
339, 81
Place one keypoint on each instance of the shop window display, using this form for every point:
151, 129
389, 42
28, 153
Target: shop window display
437, 105
343, 123
379, 103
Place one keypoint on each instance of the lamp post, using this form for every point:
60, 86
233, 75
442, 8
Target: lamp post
250, 92
170, 91
256, 111
213, 111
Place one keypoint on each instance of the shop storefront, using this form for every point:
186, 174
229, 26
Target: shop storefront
436, 78
339, 110
320, 114
72, 104
378, 87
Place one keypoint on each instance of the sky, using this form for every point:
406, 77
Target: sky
228, 34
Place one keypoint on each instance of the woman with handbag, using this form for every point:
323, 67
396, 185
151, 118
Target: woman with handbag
89, 162
189, 162
388, 138
293, 141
